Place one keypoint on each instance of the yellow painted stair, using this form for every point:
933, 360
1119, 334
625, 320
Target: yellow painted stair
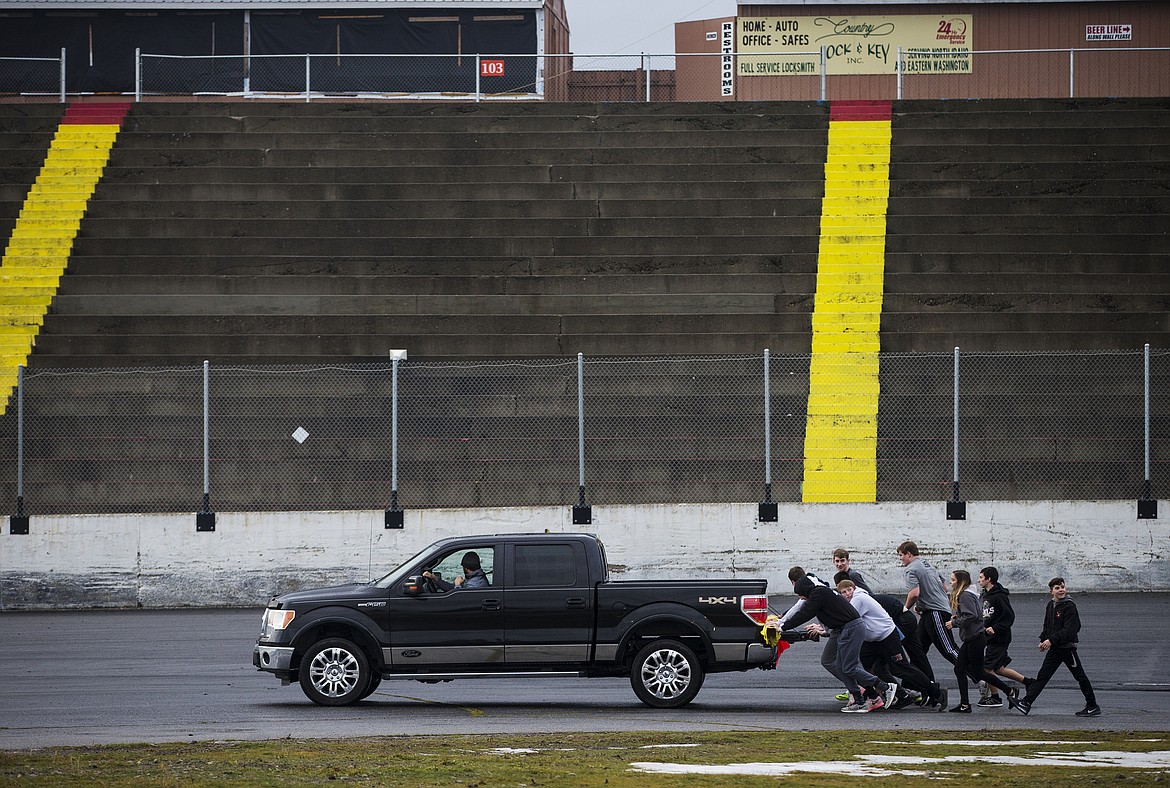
840, 449
38, 250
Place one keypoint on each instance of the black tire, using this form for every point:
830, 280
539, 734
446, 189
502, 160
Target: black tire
666, 674
335, 672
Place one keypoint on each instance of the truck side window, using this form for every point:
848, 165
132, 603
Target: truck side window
545, 565
451, 566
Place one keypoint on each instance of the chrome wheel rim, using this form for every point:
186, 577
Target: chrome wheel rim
666, 674
334, 672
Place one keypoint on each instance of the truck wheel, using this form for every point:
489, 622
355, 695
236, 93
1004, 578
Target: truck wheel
375, 680
666, 674
335, 672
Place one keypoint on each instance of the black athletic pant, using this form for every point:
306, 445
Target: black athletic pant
890, 662
908, 623
932, 631
970, 663
1053, 659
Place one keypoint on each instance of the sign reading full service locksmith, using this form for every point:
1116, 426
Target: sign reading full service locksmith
791, 46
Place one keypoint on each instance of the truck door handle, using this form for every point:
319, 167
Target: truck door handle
491, 604
575, 603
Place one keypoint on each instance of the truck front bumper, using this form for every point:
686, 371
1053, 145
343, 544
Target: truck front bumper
274, 659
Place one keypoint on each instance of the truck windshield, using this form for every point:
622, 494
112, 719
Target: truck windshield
400, 572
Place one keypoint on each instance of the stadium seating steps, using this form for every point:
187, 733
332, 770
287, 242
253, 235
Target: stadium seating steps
293, 233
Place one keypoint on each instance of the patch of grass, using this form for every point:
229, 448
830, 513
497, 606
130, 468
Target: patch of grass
593, 759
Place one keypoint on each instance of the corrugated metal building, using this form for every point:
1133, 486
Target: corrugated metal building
972, 49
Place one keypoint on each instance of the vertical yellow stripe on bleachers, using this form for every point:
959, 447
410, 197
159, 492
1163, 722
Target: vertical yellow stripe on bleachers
840, 444
38, 250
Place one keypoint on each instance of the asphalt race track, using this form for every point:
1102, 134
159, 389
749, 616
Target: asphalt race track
103, 677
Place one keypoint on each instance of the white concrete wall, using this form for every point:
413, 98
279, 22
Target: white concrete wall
160, 561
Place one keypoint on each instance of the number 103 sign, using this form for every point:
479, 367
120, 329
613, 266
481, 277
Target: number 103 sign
491, 68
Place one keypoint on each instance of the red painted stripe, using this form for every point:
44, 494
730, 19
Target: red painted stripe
103, 114
860, 110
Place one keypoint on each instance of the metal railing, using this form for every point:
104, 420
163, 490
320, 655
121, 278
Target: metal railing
34, 76
479, 77
1077, 73
1037, 73
720, 429
1023, 73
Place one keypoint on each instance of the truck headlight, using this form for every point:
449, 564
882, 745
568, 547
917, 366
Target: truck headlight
276, 620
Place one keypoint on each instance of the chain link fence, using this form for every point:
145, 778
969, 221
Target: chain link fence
920, 74
626, 430
33, 76
414, 76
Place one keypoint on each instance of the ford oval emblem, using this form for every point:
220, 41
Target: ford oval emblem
411, 653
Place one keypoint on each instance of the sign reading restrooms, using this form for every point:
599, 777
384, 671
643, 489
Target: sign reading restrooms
770, 46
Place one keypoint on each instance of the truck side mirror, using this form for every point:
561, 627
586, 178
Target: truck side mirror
414, 585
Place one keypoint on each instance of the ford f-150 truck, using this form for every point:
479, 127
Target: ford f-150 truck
547, 607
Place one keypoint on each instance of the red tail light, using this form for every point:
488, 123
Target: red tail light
755, 608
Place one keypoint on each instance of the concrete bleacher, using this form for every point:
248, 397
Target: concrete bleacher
25, 133
525, 230
1028, 225
312, 233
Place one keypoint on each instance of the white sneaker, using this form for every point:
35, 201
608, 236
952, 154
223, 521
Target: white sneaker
856, 708
891, 693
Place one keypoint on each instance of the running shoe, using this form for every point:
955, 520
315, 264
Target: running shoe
1090, 711
855, 708
990, 701
905, 698
890, 694
942, 699
874, 704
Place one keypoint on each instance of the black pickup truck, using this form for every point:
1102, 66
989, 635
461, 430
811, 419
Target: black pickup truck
545, 605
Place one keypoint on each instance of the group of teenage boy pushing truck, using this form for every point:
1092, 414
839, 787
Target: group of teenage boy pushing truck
877, 644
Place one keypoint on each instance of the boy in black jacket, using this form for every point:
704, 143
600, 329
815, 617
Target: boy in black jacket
1058, 641
998, 617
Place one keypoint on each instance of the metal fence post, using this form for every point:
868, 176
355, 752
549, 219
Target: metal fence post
769, 511
205, 518
582, 512
394, 515
62, 75
478, 74
18, 523
824, 75
1147, 504
1072, 73
956, 507
900, 69
137, 74
308, 75
647, 61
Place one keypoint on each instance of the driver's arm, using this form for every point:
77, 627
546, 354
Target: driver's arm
440, 583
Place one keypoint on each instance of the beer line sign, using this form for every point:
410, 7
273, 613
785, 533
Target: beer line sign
1108, 32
